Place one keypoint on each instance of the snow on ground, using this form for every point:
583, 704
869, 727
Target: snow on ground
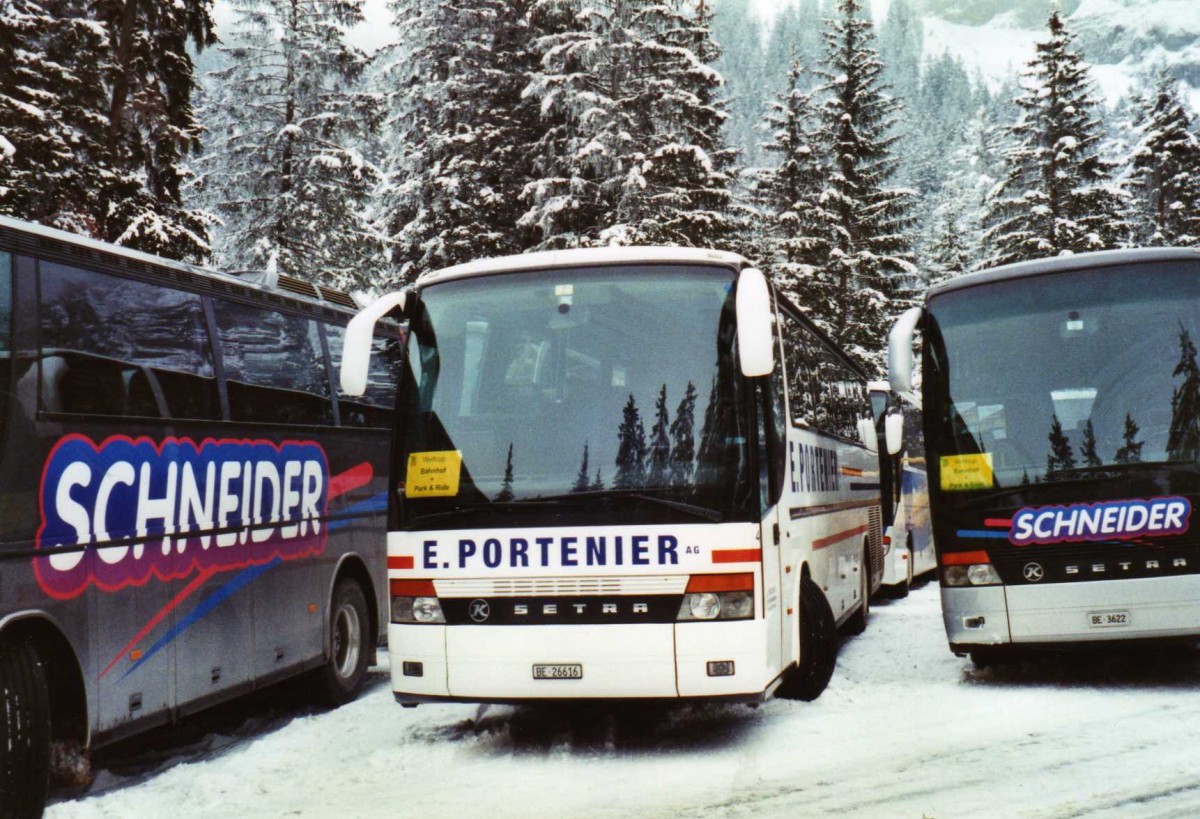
905, 730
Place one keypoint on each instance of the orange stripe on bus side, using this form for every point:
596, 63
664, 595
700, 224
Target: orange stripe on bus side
736, 555
821, 543
400, 562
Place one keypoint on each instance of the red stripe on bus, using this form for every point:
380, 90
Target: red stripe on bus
736, 555
351, 479
400, 562
196, 583
965, 558
821, 543
999, 523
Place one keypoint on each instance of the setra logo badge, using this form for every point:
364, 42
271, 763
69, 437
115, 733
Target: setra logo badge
479, 611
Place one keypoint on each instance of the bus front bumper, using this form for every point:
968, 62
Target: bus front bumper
1072, 613
645, 661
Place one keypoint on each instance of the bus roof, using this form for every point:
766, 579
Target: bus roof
1062, 264
584, 257
75, 244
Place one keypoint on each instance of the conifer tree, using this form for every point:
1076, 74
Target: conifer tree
739, 30
460, 131
1062, 457
1165, 172
1058, 195
581, 480
631, 449
869, 259
506, 487
1130, 451
1183, 439
796, 241
1087, 449
285, 168
658, 454
683, 439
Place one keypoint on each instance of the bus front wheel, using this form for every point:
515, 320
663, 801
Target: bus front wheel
818, 646
24, 730
341, 677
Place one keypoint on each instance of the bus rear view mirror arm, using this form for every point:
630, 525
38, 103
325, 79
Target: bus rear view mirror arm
756, 338
356, 352
900, 357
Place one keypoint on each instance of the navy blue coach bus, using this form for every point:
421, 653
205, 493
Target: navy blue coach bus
189, 508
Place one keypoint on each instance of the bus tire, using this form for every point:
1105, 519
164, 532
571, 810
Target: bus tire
818, 646
24, 731
342, 676
857, 623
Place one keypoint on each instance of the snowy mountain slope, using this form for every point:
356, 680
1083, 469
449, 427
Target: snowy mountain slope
1123, 39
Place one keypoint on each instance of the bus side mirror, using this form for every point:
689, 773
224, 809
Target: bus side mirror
356, 350
893, 431
867, 434
900, 358
756, 340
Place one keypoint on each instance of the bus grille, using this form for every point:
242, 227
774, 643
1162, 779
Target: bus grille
875, 540
561, 586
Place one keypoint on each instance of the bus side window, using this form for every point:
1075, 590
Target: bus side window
274, 367
122, 347
374, 407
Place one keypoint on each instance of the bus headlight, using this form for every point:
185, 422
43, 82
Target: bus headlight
427, 610
718, 597
975, 574
704, 606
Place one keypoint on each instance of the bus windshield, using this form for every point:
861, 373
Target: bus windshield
1068, 376
582, 388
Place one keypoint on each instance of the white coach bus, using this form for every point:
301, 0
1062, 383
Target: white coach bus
1062, 429
621, 473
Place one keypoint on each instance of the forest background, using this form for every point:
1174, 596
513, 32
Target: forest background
848, 156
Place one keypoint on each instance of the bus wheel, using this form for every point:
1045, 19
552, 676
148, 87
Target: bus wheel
24, 731
857, 623
345, 670
818, 646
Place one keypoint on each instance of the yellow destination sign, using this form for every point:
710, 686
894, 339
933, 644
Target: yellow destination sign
961, 473
433, 474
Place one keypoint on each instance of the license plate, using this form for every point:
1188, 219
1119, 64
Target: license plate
561, 671
1109, 619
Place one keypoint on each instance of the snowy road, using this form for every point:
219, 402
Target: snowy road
905, 729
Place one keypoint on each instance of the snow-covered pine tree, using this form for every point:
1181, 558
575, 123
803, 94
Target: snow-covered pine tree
1087, 449
683, 439
739, 30
676, 186
1058, 195
1165, 167
97, 100
284, 167
565, 198
901, 43
151, 124
50, 90
458, 156
1130, 451
870, 260
795, 244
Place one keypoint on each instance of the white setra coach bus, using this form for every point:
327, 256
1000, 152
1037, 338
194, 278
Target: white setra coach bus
621, 473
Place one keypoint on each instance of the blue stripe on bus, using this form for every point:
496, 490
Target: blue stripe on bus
206, 605
372, 505
982, 533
